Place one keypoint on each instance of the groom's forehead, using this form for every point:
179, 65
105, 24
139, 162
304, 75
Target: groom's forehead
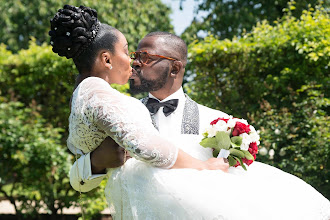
154, 44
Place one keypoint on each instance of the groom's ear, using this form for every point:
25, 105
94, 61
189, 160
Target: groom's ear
106, 60
176, 68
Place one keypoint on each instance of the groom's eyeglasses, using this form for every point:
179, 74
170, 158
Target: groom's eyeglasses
143, 56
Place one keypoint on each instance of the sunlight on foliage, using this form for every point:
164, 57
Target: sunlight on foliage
277, 76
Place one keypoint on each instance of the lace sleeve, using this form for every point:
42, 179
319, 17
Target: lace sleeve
127, 121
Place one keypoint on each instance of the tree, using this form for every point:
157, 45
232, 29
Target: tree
278, 78
22, 19
227, 19
39, 76
34, 165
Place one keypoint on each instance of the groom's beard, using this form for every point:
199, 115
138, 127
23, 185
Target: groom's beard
148, 85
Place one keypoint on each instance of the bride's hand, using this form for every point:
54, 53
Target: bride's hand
217, 164
184, 160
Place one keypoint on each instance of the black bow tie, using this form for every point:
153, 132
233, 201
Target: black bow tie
153, 106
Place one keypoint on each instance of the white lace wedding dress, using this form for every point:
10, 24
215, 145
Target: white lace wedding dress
140, 190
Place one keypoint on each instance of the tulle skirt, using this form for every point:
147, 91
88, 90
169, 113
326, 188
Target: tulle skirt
140, 191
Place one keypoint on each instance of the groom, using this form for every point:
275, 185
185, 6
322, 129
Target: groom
158, 68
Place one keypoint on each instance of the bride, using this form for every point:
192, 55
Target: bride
148, 186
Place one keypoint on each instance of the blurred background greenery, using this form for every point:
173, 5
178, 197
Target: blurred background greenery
266, 61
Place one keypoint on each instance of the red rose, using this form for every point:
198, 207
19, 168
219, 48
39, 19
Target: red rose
237, 164
240, 128
247, 162
253, 148
216, 121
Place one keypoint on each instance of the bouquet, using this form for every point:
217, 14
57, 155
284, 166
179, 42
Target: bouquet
232, 138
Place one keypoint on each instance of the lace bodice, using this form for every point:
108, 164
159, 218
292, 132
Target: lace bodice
98, 111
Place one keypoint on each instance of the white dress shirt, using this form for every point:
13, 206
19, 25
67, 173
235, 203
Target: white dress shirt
81, 177
167, 126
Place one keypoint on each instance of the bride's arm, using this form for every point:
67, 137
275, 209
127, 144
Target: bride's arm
135, 132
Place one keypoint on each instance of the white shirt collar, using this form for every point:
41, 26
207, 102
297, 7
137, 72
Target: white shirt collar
179, 94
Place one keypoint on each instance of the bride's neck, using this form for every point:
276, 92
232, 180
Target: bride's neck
79, 79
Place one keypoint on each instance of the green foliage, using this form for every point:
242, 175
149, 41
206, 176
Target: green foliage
40, 77
37, 76
34, 165
277, 77
261, 65
299, 136
22, 19
227, 19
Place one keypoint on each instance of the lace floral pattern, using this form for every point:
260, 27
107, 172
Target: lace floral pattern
98, 111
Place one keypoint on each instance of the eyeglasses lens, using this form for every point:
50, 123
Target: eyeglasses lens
142, 57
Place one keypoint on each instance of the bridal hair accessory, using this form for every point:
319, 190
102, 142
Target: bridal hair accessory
232, 138
73, 30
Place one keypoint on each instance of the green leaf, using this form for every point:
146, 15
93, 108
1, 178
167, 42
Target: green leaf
216, 152
241, 162
248, 155
236, 152
209, 142
231, 160
237, 140
223, 140
235, 145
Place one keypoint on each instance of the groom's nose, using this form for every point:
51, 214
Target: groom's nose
136, 64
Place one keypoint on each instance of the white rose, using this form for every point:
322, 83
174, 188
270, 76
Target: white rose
254, 136
246, 140
221, 126
243, 121
211, 131
232, 122
252, 129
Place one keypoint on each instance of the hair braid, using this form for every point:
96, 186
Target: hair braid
72, 30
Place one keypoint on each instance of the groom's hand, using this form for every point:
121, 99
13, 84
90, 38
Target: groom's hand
108, 155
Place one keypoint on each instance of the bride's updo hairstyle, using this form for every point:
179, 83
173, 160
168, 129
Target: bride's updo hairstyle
77, 33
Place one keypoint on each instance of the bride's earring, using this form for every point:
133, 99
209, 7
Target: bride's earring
108, 61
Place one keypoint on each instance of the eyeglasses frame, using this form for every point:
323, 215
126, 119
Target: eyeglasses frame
149, 54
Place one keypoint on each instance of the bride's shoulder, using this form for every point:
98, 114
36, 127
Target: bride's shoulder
94, 85
94, 82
